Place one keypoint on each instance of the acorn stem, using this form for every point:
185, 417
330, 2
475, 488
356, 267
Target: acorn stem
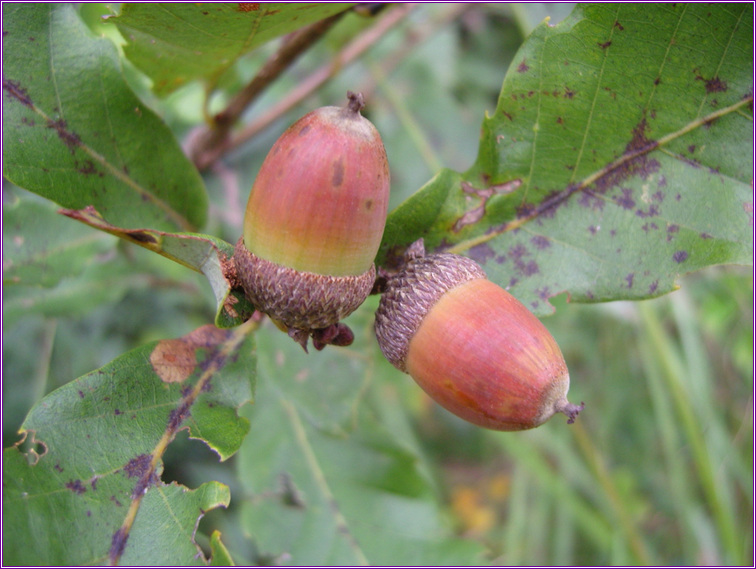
356, 103
569, 409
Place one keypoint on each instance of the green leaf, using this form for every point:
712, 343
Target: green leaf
330, 405
177, 43
328, 480
203, 253
221, 555
619, 157
84, 487
75, 133
41, 248
321, 499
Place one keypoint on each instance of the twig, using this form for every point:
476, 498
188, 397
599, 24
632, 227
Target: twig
213, 137
305, 88
388, 64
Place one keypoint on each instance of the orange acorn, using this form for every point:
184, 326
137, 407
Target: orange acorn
473, 347
314, 221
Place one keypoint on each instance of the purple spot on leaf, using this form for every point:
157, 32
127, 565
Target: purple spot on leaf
680, 256
626, 201
76, 486
481, 253
543, 293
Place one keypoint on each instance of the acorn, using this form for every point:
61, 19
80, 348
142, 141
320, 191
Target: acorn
470, 345
313, 224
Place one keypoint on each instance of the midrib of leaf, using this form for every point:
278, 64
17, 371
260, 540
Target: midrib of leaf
214, 364
606, 170
144, 193
320, 480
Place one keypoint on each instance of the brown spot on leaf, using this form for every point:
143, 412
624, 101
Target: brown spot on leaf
540, 242
619, 26
605, 44
652, 287
713, 85
469, 218
629, 279
87, 169
173, 360
522, 67
476, 214
248, 6
228, 306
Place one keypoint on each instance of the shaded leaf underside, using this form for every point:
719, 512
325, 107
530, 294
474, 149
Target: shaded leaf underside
177, 43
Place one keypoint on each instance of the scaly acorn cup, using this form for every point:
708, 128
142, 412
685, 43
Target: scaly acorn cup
314, 222
471, 346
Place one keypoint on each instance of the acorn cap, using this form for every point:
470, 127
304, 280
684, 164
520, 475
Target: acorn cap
411, 294
300, 299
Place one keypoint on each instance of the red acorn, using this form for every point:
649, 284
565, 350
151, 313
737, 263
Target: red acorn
314, 221
473, 347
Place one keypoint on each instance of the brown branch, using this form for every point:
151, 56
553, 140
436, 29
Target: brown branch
349, 54
214, 136
416, 37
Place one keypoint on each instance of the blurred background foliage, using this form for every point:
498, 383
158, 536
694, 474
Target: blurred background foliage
658, 469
